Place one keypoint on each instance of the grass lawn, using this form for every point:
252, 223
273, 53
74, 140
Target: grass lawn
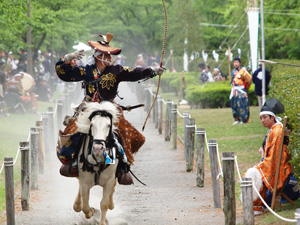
13, 130
242, 139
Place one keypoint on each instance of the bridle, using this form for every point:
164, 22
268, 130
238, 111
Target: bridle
110, 138
108, 142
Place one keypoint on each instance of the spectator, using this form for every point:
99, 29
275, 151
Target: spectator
11, 65
217, 75
207, 70
140, 62
2, 79
237, 67
203, 75
155, 59
257, 80
239, 94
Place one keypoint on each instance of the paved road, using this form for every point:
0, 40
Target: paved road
170, 197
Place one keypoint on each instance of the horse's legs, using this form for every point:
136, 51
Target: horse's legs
111, 199
77, 204
85, 194
106, 202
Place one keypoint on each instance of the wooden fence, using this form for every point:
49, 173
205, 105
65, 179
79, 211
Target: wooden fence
39, 147
196, 138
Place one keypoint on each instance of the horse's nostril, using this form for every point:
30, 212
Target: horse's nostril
98, 149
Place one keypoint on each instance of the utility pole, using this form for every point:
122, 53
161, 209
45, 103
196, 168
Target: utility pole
29, 53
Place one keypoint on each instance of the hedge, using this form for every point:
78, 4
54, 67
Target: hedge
286, 87
214, 95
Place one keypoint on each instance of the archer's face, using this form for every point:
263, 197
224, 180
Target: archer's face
106, 59
236, 64
267, 121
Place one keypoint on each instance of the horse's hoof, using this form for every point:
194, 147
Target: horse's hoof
111, 206
90, 214
77, 208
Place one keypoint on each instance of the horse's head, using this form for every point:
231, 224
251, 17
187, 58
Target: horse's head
98, 121
100, 132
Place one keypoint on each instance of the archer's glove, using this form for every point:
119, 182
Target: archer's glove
75, 55
158, 70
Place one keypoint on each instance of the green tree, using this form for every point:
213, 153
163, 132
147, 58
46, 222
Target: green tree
13, 20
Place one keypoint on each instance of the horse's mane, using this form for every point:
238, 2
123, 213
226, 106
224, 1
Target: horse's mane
83, 123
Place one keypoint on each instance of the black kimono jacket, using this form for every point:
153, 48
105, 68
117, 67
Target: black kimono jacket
106, 81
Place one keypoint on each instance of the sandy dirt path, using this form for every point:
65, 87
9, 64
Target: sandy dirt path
170, 197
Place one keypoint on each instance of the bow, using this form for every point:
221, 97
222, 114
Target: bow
161, 63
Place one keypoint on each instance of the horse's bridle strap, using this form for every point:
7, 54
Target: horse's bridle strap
99, 141
100, 113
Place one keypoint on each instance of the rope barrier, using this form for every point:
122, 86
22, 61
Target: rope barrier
182, 116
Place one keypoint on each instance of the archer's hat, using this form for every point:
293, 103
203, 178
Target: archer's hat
272, 107
103, 46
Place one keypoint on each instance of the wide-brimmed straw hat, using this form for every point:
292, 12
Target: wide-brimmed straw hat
103, 46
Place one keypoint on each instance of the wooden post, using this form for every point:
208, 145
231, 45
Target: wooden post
190, 145
168, 121
153, 109
213, 156
174, 126
200, 143
186, 119
297, 216
51, 128
41, 146
247, 196
34, 147
147, 96
9, 190
229, 206
229, 64
160, 114
46, 136
278, 164
59, 117
25, 175
156, 113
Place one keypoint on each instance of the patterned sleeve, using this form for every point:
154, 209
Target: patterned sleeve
71, 72
135, 74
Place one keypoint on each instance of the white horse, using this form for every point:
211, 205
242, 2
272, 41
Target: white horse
97, 120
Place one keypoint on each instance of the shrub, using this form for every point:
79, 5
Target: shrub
286, 87
214, 95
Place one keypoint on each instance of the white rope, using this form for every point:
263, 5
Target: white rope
1, 168
206, 142
269, 208
163, 101
17, 155
180, 114
261, 198
237, 168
